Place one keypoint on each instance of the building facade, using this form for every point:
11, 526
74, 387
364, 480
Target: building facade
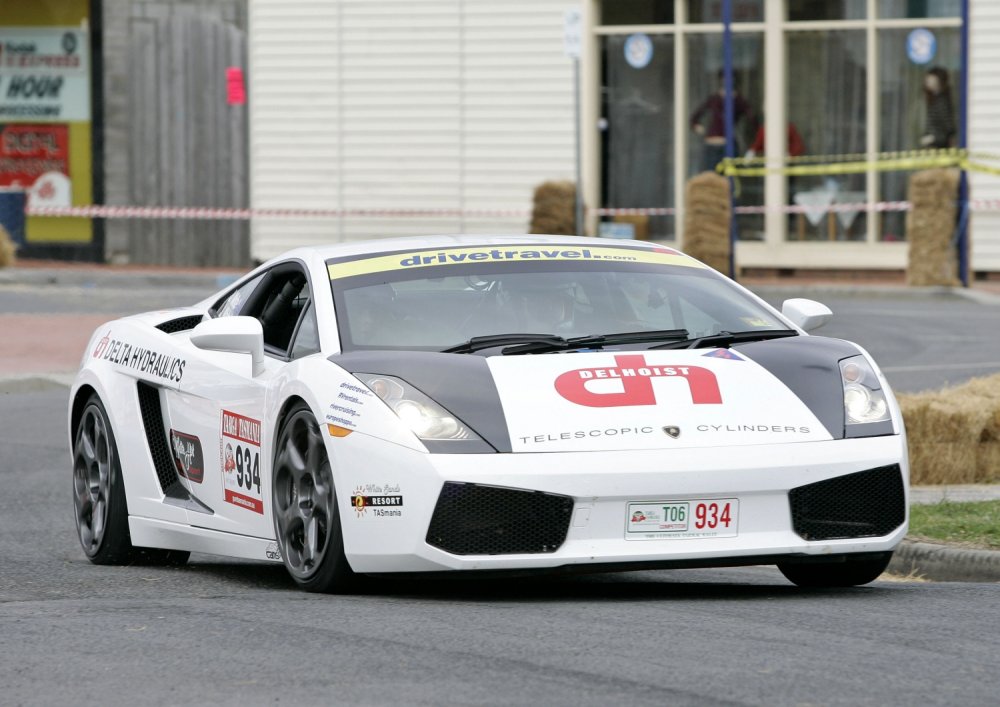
405, 104
380, 111
468, 104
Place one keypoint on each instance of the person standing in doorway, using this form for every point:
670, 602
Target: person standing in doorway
713, 130
939, 126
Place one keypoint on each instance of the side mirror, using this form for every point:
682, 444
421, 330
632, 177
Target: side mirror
234, 335
806, 314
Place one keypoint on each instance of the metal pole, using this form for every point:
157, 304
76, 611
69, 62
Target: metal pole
727, 58
579, 170
962, 237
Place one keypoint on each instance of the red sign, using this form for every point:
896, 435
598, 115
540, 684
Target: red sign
235, 90
637, 382
29, 151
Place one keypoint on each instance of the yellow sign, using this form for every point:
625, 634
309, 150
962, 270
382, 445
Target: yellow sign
556, 252
45, 79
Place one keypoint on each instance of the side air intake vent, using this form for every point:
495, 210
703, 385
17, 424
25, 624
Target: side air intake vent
156, 438
470, 519
163, 462
180, 324
866, 504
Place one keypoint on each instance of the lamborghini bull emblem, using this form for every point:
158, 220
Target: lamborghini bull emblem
636, 387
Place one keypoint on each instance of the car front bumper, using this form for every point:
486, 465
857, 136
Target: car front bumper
393, 538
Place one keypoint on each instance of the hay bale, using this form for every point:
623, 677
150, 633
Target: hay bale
954, 434
554, 209
988, 463
8, 249
942, 463
707, 218
930, 226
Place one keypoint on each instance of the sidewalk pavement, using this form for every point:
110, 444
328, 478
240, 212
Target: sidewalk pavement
46, 354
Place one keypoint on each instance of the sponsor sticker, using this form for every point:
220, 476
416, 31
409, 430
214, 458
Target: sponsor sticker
414, 260
345, 411
377, 501
240, 461
137, 358
724, 353
668, 399
637, 383
272, 552
188, 456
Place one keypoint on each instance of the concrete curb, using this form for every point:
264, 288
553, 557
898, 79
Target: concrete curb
944, 563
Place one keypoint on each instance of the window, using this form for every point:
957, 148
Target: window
402, 310
230, 305
307, 336
711, 10
638, 135
706, 142
637, 12
911, 116
811, 10
919, 8
827, 82
278, 302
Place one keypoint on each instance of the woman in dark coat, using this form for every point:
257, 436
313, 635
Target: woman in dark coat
939, 128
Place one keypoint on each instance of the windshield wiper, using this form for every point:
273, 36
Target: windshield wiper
725, 339
597, 340
478, 343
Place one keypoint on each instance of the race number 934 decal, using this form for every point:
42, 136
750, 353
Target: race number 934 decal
693, 518
240, 453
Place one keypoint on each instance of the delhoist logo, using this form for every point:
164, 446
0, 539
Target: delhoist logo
636, 378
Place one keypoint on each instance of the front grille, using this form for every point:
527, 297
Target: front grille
471, 519
180, 324
866, 504
156, 437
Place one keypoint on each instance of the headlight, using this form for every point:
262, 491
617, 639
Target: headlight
864, 400
427, 419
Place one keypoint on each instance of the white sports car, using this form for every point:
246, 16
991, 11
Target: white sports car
488, 404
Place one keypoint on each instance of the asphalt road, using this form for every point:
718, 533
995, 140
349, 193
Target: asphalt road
920, 340
221, 632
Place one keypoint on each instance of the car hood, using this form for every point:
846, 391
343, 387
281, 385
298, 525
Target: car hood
769, 392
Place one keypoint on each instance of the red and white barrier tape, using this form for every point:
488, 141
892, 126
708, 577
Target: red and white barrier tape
228, 214
209, 213
759, 209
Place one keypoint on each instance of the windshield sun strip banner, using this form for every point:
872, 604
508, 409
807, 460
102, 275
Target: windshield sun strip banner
417, 259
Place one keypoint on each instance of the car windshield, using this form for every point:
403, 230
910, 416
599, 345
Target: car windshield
439, 299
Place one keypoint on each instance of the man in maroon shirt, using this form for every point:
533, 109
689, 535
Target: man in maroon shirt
714, 129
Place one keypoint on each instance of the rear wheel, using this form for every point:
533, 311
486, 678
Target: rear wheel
851, 573
306, 520
99, 496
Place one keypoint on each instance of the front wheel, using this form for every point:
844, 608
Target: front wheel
99, 496
851, 573
306, 521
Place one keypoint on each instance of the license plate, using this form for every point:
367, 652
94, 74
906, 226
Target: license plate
694, 518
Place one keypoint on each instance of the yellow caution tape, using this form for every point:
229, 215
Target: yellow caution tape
819, 165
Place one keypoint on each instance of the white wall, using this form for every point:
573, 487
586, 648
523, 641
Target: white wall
984, 126
462, 104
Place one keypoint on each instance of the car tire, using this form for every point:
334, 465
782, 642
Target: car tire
101, 510
851, 573
306, 520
